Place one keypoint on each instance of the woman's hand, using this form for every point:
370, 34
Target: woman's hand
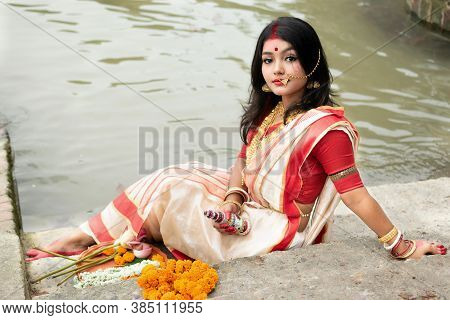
425, 247
228, 209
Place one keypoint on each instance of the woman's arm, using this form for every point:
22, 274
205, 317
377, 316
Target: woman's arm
228, 208
367, 208
236, 179
335, 153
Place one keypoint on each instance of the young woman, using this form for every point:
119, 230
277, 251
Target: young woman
296, 163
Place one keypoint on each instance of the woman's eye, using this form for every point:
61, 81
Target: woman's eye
267, 60
291, 58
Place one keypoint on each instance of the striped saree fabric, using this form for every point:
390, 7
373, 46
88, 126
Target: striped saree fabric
169, 203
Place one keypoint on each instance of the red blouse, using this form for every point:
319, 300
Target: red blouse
333, 153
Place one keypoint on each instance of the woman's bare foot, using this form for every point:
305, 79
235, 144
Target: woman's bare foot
427, 248
73, 244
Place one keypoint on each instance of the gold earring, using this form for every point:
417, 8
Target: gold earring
314, 84
266, 88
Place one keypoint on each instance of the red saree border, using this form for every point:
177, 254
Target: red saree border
291, 190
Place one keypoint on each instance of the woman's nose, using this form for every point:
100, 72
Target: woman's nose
278, 68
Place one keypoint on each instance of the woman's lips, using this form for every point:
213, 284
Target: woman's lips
278, 83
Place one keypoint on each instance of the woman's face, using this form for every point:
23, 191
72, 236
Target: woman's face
279, 60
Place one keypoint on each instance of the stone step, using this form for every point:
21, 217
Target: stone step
14, 285
352, 266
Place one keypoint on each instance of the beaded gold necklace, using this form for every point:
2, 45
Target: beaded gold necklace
260, 136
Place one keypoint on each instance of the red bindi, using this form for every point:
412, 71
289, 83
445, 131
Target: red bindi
276, 49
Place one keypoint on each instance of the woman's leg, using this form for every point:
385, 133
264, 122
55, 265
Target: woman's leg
72, 244
107, 225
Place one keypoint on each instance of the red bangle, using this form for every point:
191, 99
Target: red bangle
406, 250
396, 246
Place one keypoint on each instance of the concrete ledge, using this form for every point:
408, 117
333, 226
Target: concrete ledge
330, 271
352, 266
14, 285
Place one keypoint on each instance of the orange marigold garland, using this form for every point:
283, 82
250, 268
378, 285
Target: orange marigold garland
177, 280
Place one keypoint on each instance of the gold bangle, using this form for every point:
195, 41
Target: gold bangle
388, 236
240, 191
231, 201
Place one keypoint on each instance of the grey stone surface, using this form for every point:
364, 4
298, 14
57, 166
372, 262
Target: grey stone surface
352, 266
14, 285
332, 271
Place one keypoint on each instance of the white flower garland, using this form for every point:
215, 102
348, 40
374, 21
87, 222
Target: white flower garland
110, 275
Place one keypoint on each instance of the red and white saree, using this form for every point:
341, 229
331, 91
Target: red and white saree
174, 198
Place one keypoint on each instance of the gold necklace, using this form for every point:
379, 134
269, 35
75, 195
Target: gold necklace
260, 137
262, 129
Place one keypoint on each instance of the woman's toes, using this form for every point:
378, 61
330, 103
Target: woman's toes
38, 256
438, 249
31, 252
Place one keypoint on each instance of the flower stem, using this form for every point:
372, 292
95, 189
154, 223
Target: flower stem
56, 254
83, 268
91, 264
93, 254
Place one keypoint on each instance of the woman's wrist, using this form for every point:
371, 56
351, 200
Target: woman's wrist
235, 197
394, 242
401, 247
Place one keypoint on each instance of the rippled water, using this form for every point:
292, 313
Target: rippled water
80, 77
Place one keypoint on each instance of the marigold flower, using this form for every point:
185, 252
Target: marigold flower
142, 281
201, 296
180, 285
179, 268
157, 257
164, 288
169, 296
190, 287
182, 280
119, 260
151, 294
128, 256
152, 278
148, 268
179, 296
171, 264
109, 252
197, 290
121, 250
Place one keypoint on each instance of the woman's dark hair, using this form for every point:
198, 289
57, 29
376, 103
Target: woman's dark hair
307, 45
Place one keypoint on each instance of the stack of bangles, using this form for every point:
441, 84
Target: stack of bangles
244, 194
241, 226
397, 234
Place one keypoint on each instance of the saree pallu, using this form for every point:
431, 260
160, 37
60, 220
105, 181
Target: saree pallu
174, 198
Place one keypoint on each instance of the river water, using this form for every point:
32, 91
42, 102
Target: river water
79, 78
